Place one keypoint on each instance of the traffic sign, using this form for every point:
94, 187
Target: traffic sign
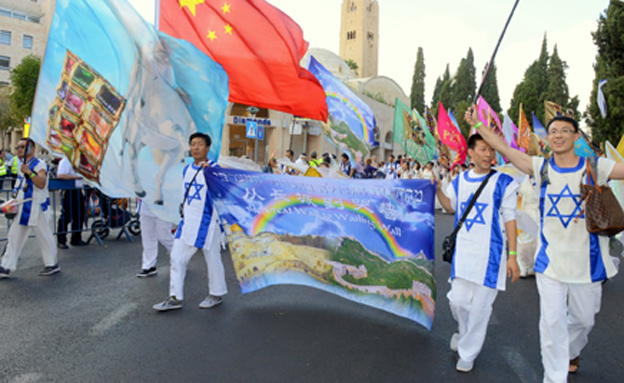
260, 132
252, 129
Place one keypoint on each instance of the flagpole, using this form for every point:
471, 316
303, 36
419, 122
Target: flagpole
500, 39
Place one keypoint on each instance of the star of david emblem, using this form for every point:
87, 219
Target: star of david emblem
195, 194
554, 210
478, 216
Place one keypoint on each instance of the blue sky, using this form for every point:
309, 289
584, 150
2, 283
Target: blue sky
446, 29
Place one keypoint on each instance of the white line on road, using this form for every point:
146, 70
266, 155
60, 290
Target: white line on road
525, 372
114, 318
30, 377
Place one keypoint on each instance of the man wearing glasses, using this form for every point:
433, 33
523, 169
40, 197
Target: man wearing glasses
570, 263
33, 213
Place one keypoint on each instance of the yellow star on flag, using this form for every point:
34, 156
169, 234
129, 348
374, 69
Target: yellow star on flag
228, 29
212, 35
226, 8
190, 4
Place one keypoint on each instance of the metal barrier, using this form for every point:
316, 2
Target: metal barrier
94, 212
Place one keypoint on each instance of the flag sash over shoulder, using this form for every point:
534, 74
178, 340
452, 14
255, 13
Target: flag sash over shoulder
370, 243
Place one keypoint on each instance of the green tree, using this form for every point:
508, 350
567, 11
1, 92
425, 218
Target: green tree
7, 118
442, 91
465, 84
417, 95
557, 90
531, 91
24, 83
463, 90
490, 89
436, 92
352, 65
609, 38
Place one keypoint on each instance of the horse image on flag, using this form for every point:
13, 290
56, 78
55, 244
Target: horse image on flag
157, 115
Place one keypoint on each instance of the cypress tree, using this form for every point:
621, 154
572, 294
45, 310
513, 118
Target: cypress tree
417, 95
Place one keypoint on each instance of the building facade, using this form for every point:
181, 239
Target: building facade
359, 35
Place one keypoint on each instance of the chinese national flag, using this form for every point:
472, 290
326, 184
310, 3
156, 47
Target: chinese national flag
259, 47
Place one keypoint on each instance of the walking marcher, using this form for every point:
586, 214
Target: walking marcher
391, 168
14, 166
345, 166
32, 184
3, 168
570, 263
153, 230
74, 207
480, 263
199, 229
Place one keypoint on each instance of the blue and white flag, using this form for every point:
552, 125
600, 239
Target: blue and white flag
601, 101
370, 242
351, 122
539, 129
120, 99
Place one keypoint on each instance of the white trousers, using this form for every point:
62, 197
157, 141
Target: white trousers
471, 305
567, 314
153, 230
18, 234
182, 253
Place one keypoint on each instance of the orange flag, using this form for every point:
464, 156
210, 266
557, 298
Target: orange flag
259, 47
524, 131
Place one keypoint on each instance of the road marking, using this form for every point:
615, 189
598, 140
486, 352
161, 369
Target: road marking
27, 378
114, 318
525, 372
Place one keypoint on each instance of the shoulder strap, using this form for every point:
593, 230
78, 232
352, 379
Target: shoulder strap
472, 202
189, 186
544, 173
593, 164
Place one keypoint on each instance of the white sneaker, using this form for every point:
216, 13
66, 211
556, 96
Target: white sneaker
463, 366
454, 341
171, 303
210, 301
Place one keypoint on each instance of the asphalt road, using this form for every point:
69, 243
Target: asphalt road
94, 322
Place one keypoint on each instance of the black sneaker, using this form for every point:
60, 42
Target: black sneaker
79, 243
147, 272
49, 270
4, 273
63, 246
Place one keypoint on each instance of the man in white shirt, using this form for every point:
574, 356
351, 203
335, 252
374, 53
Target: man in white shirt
391, 168
480, 262
74, 207
570, 263
33, 214
199, 229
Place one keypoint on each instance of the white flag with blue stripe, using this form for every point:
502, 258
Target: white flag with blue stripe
602, 103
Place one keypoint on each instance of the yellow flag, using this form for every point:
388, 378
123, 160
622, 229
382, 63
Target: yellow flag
620, 147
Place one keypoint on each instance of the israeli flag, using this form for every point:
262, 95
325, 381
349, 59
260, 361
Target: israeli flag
602, 103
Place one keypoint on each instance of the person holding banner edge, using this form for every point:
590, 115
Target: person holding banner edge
33, 213
570, 263
480, 263
199, 229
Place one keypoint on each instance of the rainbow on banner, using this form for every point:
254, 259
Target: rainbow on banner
273, 210
345, 101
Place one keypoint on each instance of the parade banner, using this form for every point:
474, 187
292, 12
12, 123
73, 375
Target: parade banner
429, 138
524, 131
351, 121
409, 132
539, 129
120, 100
370, 242
451, 136
259, 46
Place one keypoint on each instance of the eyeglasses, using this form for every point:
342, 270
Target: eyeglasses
554, 132
18, 147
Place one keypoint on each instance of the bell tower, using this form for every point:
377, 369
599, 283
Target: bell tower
359, 35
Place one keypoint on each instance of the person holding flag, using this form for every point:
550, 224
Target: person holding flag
33, 213
570, 263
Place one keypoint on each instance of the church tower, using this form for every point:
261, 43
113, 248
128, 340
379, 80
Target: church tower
359, 35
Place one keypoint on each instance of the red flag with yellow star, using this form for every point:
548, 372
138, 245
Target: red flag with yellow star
259, 47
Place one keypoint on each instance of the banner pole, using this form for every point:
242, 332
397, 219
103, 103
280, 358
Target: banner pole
500, 39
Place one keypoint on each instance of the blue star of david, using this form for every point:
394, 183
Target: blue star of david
195, 194
554, 210
478, 217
